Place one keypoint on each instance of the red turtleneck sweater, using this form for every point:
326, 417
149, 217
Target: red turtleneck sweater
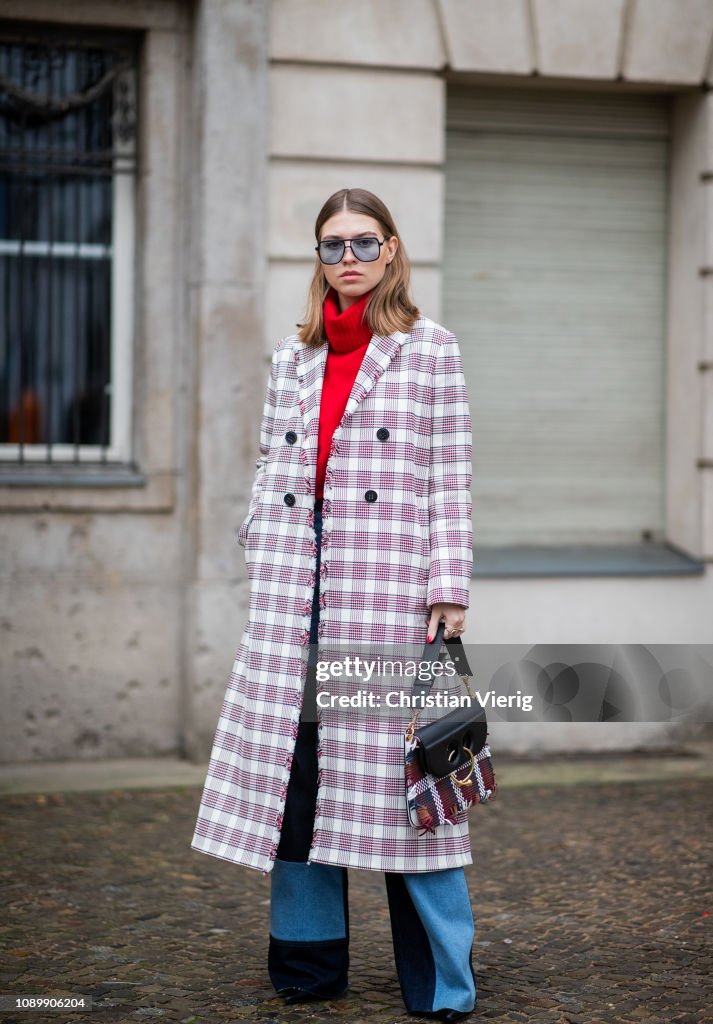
348, 342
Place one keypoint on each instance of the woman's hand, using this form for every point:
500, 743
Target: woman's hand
454, 615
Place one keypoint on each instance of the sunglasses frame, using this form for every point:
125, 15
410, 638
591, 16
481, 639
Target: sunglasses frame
344, 242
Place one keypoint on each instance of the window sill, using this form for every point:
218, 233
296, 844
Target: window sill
655, 559
113, 487
72, 475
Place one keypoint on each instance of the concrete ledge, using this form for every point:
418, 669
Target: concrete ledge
88, 776
693, 760
651, 559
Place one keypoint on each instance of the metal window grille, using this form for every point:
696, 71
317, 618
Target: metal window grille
67, 169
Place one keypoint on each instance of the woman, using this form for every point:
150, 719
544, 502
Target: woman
358, 529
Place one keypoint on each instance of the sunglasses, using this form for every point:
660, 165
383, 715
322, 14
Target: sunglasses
365, 249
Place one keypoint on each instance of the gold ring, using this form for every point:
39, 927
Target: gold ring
463, 782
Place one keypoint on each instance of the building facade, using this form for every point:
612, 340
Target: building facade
550, 166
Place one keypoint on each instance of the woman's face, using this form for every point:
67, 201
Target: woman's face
363, 276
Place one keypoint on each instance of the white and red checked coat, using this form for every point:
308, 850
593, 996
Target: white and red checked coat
396, 538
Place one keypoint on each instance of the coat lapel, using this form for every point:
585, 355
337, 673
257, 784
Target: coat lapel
310, 374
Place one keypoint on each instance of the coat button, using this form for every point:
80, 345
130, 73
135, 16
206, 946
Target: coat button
382, 433
370, 496
290, 437
289, 499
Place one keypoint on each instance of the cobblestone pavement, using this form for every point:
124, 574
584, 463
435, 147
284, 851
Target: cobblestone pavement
592, 904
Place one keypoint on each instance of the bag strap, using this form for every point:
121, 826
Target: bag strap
431, 653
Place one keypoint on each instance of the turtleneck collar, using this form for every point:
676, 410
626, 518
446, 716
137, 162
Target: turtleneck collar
345, 330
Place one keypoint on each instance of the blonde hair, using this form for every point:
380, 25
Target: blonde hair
389, 307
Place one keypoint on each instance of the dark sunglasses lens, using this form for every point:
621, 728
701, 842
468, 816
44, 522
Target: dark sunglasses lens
331, 252
366, 249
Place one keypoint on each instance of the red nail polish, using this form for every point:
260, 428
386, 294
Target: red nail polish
428, 640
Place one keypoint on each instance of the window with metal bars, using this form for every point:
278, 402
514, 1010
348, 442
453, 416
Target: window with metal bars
67, 187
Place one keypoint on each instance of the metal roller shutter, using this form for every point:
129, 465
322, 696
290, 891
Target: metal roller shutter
555, 282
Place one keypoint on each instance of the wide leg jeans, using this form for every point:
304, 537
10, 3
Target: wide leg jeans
432, 926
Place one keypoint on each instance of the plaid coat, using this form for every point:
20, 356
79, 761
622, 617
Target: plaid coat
397, 538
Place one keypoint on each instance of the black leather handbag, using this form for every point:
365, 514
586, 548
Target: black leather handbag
452, 741
438, 790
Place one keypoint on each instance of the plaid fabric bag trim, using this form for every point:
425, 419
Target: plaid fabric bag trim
432, 802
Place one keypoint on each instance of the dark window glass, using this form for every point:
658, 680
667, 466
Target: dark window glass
66, 116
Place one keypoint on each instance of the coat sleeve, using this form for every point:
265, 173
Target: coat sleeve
449, 498
266, 428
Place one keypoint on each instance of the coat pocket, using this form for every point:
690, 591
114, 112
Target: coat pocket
244, 527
